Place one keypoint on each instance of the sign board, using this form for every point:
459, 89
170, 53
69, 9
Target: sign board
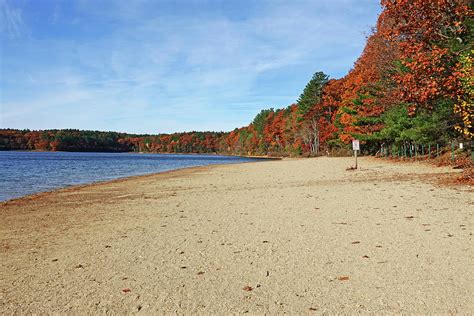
355, 144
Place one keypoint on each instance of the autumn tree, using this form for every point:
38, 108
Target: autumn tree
435, 43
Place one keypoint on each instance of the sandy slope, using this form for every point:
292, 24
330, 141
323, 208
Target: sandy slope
299, 235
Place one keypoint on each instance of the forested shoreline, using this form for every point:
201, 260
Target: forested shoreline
99, 141
411, 87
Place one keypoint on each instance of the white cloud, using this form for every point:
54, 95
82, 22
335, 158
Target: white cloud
11, 21
198, 72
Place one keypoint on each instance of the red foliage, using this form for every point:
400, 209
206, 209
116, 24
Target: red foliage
422, 29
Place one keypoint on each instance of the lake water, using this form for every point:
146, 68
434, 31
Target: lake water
23, 173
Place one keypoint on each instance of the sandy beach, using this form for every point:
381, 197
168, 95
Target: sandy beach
290, 236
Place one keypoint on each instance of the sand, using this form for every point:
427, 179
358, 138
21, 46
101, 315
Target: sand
290, 236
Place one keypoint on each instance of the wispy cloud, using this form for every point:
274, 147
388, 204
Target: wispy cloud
148, 66
11, 21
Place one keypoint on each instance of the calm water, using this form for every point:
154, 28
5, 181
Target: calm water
23, 173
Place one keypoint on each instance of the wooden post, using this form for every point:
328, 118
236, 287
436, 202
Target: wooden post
355, 153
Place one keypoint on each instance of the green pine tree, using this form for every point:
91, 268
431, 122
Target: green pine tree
312, 92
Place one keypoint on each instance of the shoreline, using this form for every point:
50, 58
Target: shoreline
256, 159
121, 179
285, 236
147, 153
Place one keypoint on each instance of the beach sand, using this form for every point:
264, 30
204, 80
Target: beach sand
296, 236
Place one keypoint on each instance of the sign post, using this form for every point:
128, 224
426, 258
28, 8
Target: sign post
355, 148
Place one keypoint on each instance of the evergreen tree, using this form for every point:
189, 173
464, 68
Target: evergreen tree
260, 120
312, 92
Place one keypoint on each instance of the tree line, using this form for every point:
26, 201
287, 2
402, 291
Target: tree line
78, 140
412, 84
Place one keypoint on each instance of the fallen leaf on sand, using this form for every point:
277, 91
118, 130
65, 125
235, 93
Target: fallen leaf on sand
365, 257
247, 288
355, 242
126, 290
343, 278
200, 273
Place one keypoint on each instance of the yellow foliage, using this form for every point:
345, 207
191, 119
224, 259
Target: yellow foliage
464, 106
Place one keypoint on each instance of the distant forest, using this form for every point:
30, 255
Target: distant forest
77, 140
412, 85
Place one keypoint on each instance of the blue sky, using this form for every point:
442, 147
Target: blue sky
143, 66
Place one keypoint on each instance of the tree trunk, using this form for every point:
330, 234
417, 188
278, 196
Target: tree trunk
315, 128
